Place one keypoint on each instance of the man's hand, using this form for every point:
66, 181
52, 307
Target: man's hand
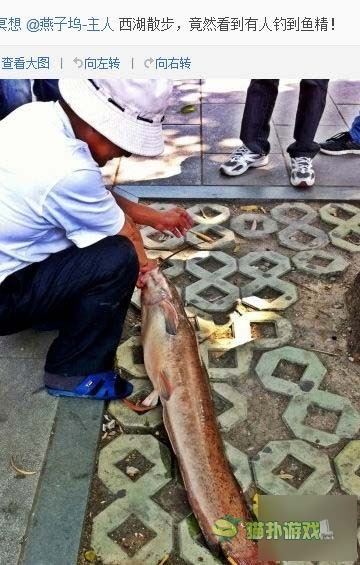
175, 220
149, 266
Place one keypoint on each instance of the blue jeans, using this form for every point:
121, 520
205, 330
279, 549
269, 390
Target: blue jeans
15, 93
355, 130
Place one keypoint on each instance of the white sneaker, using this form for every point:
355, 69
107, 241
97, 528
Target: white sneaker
241, 160
302, 172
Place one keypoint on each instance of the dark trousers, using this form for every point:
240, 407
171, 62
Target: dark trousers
86, 292
260, 101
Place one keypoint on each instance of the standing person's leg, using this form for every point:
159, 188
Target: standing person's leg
255, 128
312, 100
89, 290
13, 93
46, 90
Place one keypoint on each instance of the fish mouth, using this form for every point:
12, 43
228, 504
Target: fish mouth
155, 288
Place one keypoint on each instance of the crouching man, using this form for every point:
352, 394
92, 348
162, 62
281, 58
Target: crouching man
70, 250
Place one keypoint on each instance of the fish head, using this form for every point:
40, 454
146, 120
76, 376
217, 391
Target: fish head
155, 289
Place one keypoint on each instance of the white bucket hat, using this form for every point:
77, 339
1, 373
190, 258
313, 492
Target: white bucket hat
127, 112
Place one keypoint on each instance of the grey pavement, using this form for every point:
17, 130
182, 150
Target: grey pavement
198, 141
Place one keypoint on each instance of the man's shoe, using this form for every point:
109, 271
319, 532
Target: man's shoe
241, 160
340, 144
302, 172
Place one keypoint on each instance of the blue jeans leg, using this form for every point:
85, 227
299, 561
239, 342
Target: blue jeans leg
13, 93
355, 130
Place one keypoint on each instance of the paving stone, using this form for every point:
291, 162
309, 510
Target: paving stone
349, 112
137, 501
225, 238
347, 463
221, 213
179, 164
286, 293
237, 413
288, 237
343, 91
240, 225
167, 241
283, 329
286, 108
228, 295
345, 227
297, 410
136, 298
289, 213
131, 420
124, 358
273, 454
298, 217
235, 332
189, 547
242, 359
250, 264
240, 466
336, 265
197, 265
329, 213
224, 91
314, 370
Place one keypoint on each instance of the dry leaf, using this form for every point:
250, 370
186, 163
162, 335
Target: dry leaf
19, 470
188, 109
249, 208
90, 555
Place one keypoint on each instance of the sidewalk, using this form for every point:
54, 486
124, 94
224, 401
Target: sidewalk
58, 440
198, 141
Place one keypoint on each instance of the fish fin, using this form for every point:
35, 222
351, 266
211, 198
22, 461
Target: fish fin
136, 407
165, 387
151, 400
171, 317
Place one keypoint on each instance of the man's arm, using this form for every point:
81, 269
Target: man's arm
175, 220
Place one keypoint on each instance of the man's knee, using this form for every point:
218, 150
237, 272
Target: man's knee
118, 253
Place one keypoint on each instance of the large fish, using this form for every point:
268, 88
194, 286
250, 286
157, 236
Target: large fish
173, 364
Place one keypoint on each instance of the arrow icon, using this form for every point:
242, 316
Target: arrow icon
78, 62
148, 62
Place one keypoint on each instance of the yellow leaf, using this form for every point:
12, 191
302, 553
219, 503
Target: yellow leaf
90, 555
250, 208
255, 505
188, 109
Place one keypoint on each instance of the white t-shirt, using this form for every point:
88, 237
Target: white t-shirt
52, 194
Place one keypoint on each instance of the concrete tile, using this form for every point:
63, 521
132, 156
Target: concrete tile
29, 344
184, 93
285, 133
345, 173
286, 106
220, 91
345, 91
179, 164
26, 419
221, 128
349, 112
273, 174
174, 115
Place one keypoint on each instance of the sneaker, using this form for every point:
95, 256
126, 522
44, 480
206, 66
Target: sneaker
302, 172
340, 144
241, 160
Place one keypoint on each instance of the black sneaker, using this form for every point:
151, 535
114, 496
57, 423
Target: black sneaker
340, 144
